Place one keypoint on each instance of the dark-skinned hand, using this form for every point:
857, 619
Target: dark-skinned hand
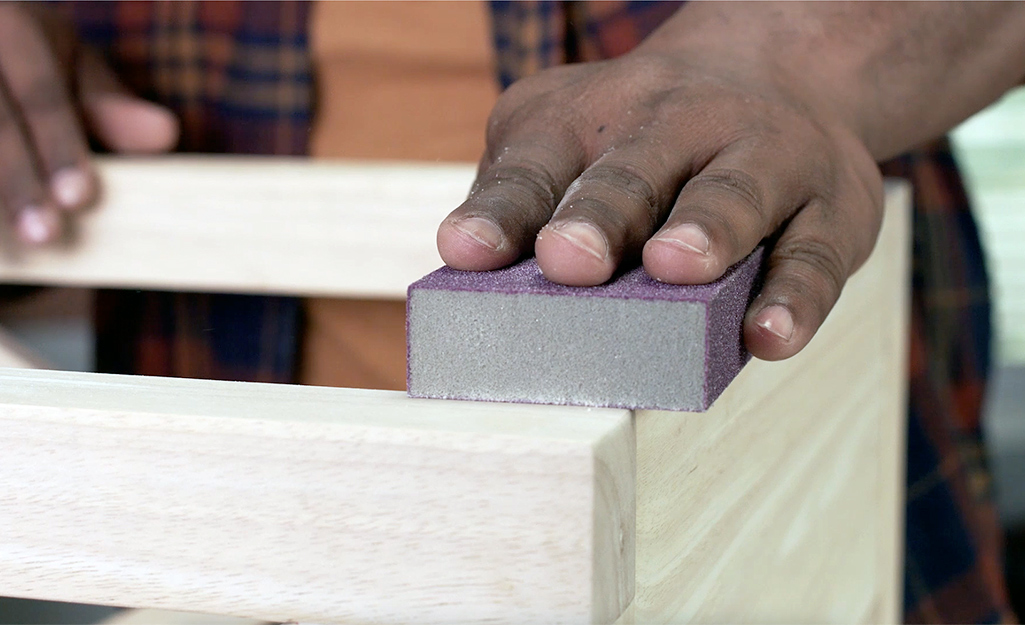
54, 93
730, 126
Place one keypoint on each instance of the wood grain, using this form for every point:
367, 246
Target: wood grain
311, 504
14, 354
255, 225
783, 503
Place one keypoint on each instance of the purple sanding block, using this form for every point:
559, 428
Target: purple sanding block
511, 335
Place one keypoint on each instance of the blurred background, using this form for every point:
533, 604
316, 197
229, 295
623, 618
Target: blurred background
991, 150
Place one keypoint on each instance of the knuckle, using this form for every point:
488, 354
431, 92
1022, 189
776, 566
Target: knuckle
737, 184
652, 71
816, 261
533, 180
519, 104
628, 182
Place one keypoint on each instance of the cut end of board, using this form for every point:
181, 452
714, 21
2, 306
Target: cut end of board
512, 335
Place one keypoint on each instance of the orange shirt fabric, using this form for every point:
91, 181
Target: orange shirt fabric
410, 81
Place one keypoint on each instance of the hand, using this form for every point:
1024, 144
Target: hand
52, 92
686, 165
733, 124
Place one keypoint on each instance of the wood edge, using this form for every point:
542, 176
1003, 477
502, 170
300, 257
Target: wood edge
615, 508
153, 616
893, 445
217, 405
258, 163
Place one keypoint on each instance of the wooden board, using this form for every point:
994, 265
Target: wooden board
311, 504
255, 225
784, 502
14, 354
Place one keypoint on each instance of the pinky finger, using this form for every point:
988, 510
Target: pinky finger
807, 270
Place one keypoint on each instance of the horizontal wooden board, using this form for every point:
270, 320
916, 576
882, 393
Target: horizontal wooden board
311, 504
254, 225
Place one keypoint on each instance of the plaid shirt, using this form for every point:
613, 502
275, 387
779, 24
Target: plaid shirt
240, 78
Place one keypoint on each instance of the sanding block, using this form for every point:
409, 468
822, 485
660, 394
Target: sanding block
511, 335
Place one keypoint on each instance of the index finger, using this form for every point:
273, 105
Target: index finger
513, 197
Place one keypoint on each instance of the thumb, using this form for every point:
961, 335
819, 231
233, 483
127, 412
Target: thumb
120, 120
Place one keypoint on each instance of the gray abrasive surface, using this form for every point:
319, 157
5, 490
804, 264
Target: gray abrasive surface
511, 335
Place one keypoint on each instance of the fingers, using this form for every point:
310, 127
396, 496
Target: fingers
38, 95
513, 197
44, 155
607, 214
722, 213
829, 216
23, 197
120, 120
736, 166
806, 270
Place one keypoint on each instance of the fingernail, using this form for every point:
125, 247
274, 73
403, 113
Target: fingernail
778, 320
585, 237
688, 236
70, 187
481, 230
37, 226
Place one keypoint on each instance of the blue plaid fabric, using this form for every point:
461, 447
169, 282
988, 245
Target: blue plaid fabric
239, 76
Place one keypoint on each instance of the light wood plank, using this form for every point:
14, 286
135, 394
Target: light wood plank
783, 503
311, 504
895, 258
255, 225
787, 494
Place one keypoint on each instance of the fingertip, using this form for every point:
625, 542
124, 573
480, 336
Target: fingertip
474, 244
131, 125
37, 226
681, 255
771, 334
574, 253
74, 187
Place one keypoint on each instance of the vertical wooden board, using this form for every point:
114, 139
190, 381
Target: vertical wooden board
614, 523
310, 504
896, 239
781, 503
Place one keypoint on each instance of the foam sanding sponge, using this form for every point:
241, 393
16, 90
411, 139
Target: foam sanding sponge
511, 335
